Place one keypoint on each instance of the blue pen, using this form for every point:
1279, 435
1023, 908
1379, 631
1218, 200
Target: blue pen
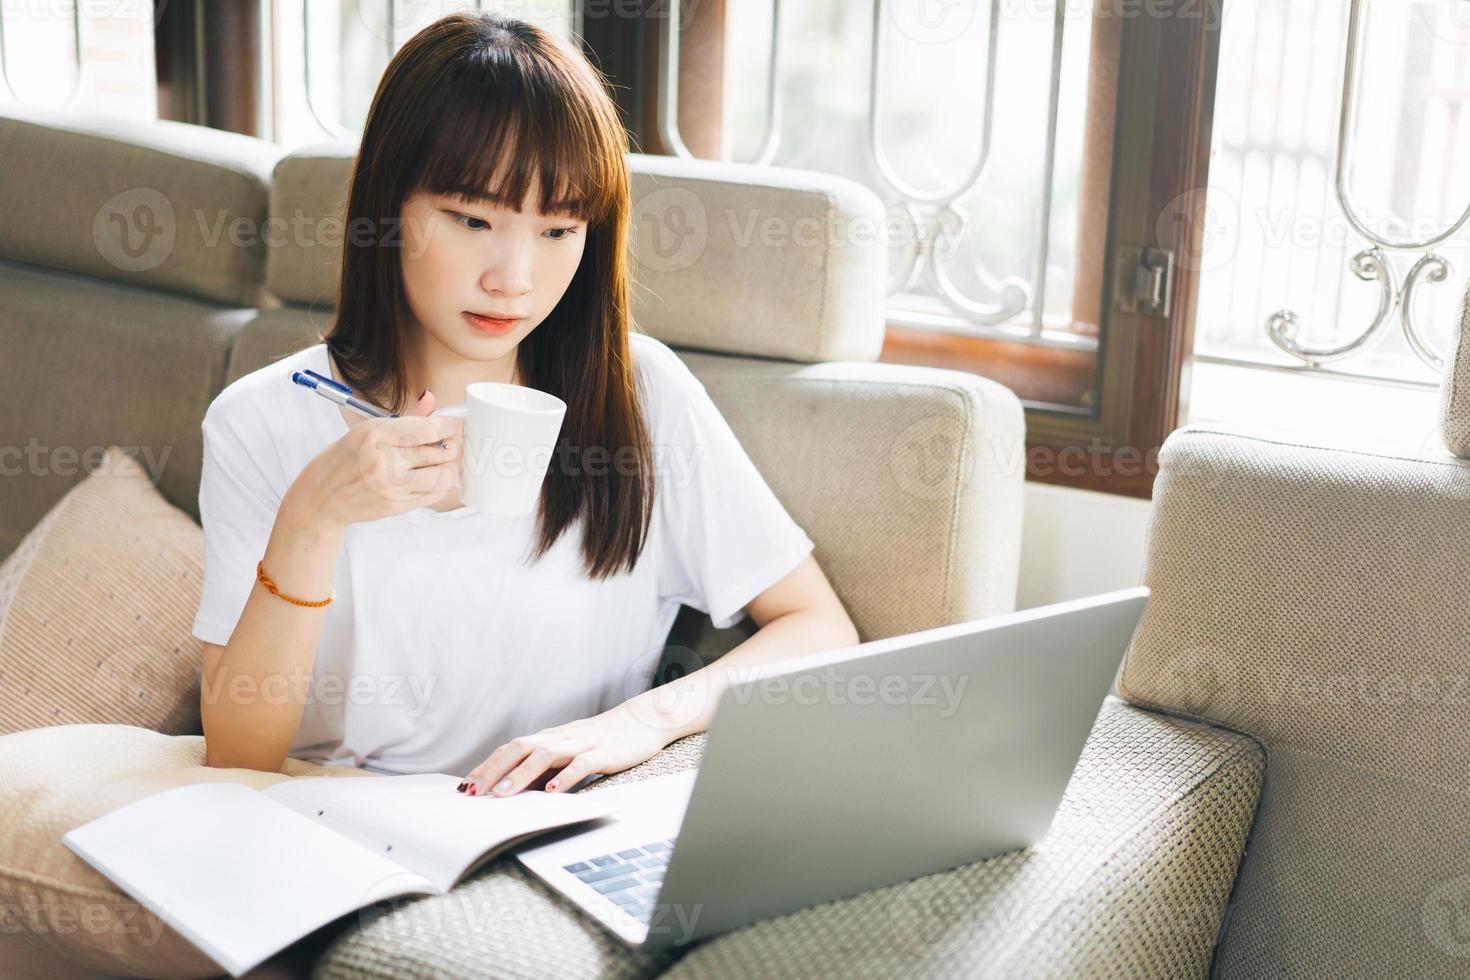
335, 391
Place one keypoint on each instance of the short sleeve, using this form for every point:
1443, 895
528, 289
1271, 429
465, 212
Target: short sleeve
237, 508
728, 537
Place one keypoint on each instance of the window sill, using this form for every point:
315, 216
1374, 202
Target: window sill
1318, 409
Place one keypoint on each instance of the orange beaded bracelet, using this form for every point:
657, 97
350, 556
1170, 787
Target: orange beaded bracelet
271, 586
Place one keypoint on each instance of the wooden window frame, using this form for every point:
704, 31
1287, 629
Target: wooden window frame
1150, 111
206, 61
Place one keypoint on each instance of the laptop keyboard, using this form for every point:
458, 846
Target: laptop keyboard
630, 877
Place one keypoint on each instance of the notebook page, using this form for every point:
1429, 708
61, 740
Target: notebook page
239, 875
431, 828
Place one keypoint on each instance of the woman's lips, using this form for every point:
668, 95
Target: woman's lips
490, 326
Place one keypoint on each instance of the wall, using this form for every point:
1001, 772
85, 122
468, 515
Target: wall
1078, 542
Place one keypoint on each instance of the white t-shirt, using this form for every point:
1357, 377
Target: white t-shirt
443, 643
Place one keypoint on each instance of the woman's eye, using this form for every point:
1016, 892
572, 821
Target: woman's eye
465, 217
558, 234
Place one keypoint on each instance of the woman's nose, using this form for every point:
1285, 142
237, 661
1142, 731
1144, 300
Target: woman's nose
509, 273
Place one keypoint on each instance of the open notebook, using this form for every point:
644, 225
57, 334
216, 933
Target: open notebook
243, 873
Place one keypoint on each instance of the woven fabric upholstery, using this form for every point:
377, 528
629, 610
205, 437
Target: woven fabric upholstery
1454, 392
95, 609
1316, 600
926, 530
1131, 881
309, 191
163, 205
155, 358
767, 261
748, 259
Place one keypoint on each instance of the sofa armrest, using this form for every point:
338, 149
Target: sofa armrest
909, 479
1314, 599
1454, 389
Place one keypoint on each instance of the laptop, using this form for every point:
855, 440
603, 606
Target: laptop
832, 774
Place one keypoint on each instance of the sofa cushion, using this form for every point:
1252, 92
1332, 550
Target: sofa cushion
1315, 599
63, 776
926, 528
143, 366
1132, 880
748, 259
1454, 392
164, 204
768, 261
96, 606
309, 188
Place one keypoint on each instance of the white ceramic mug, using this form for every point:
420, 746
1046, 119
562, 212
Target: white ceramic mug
509, 438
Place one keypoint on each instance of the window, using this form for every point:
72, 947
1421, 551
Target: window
972, 142
1096, 126
96, 58
326, 56
1280, 239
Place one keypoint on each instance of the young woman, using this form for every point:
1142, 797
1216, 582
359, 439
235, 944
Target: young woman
353, 611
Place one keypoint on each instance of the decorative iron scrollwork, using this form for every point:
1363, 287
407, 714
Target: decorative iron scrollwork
1284, 326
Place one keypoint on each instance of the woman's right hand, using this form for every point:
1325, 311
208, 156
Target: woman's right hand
382, 467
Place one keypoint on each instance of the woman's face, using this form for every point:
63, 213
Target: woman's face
476, 257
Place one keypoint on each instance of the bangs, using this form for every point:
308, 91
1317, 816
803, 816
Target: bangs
495, 139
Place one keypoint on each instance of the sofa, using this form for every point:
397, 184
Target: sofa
144, 268
1214, 825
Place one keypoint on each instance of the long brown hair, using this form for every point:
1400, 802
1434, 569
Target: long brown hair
467, 94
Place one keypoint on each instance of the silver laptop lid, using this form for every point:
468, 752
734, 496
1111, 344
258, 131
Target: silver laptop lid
848, 770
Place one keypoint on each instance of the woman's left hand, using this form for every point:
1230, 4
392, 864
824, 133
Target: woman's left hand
607, 743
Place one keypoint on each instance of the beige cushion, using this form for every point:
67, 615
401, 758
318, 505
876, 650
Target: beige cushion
149, 204
925, 530
150, 362
1315, 599
1454, 402
96, 606
309, 188
769, 261
61, 777
1131, 881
